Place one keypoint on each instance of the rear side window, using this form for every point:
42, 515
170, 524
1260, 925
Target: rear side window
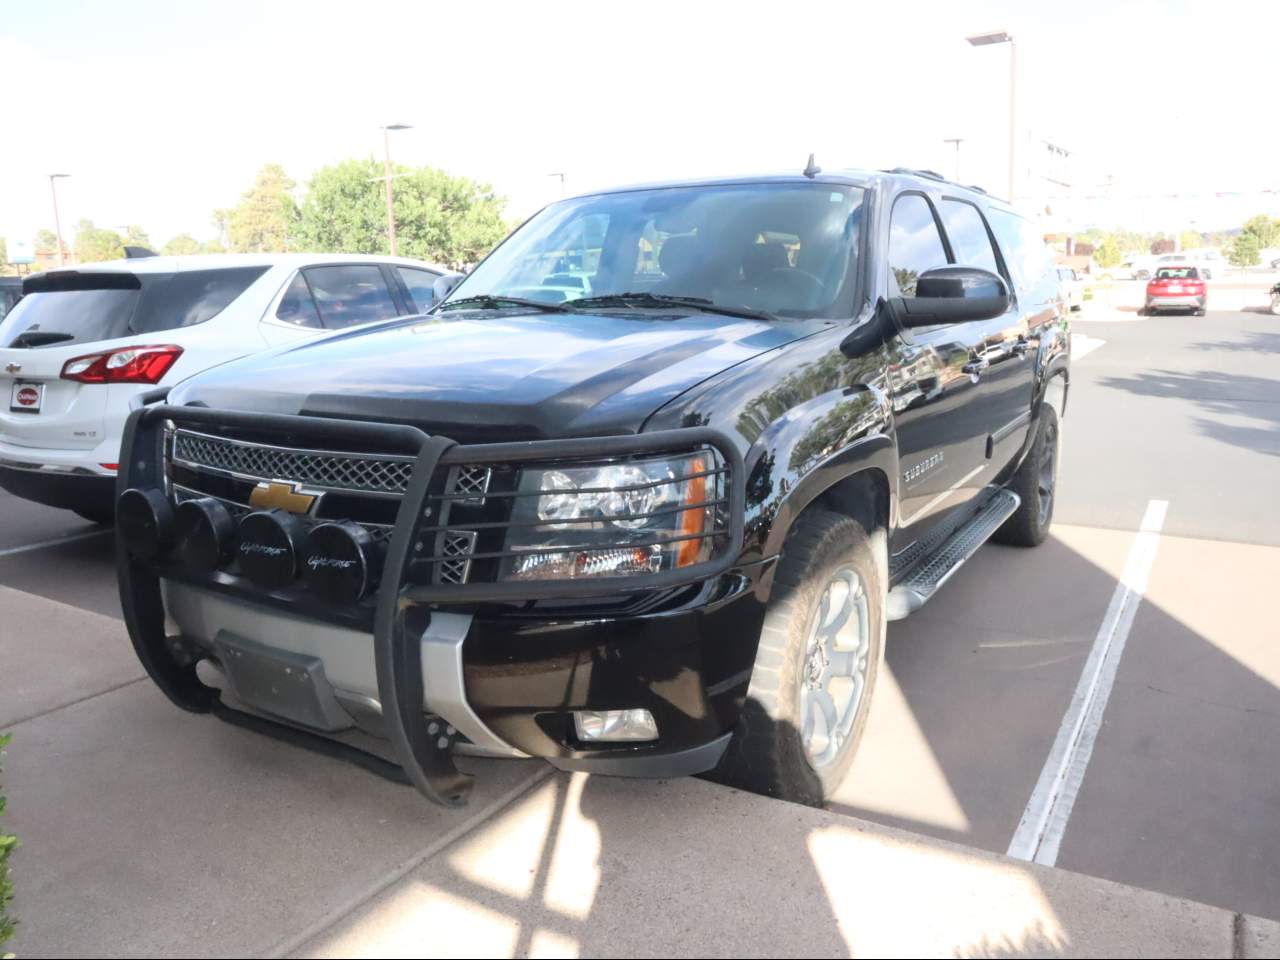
350, 294
967, 232
915, 245
1177, 273
84, 307
419, 282
185, 299
297, 307
1026, 254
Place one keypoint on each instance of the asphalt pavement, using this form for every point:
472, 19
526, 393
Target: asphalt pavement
1136, 669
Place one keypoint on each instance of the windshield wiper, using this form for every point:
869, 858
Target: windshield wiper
488, 301
664, 300
40, 338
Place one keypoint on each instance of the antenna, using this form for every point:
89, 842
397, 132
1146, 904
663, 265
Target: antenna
811, 169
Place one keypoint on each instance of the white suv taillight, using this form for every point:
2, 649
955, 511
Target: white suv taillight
125, 365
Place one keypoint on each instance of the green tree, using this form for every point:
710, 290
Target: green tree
1245, 251
46, 241
135, 236
1107, 253
1266, 230
441, 218
1190, 240
265, 216
213, 246
96, 243
182, 244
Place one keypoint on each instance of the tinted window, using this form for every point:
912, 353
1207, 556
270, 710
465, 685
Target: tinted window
967, 232
915, 245
351, 294
1026, 254
183, 299
785, 248
1177, 273
297, 307
419, 283
84, 307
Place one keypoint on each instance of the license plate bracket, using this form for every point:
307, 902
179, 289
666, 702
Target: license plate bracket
280, 682
26, 396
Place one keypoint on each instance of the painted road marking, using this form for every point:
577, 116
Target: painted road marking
1044, 821
10, 551
1082, 345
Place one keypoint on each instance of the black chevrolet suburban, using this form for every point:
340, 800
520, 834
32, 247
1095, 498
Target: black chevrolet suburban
637, 497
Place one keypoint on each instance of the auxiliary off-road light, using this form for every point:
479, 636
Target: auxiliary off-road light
204, 532
268, 546
144, 521
615, 725
338, 561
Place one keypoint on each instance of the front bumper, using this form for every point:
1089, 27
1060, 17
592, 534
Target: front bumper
439, 660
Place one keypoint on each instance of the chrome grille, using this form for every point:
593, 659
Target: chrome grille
359, 472
472, 482
455, 556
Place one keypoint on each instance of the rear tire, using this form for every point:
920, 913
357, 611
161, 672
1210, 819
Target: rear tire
820, 651
1036, 483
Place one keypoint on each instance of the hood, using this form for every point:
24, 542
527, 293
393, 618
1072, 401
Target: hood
496, 376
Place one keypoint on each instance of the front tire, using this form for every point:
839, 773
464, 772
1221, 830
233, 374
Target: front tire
816, 666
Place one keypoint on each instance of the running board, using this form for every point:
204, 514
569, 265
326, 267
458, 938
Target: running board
923, 582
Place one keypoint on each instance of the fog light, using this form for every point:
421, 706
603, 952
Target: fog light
635, 724
144, 520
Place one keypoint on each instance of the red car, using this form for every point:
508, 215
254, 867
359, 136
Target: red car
1177, 287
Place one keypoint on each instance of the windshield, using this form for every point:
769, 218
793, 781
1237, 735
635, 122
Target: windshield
1176, 273
786, 249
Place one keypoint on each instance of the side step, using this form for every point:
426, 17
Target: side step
920, 586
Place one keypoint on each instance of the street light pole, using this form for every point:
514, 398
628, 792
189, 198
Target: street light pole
57, 222
957, 141
386, 154
989, 39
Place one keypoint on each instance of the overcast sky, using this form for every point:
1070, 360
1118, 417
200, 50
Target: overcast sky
162, 111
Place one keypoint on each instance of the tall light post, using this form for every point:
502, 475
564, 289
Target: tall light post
386, 151
990, 39
957, 141
57, 223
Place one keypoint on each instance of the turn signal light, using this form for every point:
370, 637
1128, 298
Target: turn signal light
123, 365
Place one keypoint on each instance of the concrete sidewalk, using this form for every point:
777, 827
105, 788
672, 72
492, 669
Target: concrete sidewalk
150, 832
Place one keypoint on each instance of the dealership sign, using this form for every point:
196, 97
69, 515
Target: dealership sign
20, 252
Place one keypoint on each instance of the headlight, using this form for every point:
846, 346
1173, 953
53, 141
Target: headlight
615, 519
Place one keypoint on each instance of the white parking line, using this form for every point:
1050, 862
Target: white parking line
1044, 821
10, 551
1082, 345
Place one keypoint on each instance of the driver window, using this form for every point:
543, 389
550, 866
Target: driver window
915, 244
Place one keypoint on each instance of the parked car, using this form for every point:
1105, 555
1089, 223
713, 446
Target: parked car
1209, 263
1072, 288
84, 341
654, 530
1177, 287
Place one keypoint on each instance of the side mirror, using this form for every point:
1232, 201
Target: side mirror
443, 286
952, 295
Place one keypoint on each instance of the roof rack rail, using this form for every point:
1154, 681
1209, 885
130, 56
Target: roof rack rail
933, 175
974, 186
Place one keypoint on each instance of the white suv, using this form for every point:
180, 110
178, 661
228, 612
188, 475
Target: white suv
82, 342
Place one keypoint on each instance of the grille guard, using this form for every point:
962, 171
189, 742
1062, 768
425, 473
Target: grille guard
402, 608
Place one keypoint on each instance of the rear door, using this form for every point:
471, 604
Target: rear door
349, 294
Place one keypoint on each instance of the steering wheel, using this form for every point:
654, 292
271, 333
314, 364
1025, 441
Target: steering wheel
790, 286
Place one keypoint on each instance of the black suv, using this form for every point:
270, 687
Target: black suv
638, 497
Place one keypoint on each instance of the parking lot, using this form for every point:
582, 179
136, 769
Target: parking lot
1162, 566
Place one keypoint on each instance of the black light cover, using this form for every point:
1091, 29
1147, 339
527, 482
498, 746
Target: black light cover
269, 544
204, 532
339, 561
144, 521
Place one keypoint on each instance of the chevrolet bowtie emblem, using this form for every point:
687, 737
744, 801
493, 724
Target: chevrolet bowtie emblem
285, 496
12, 367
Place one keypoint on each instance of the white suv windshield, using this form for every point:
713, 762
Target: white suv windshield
785, 248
